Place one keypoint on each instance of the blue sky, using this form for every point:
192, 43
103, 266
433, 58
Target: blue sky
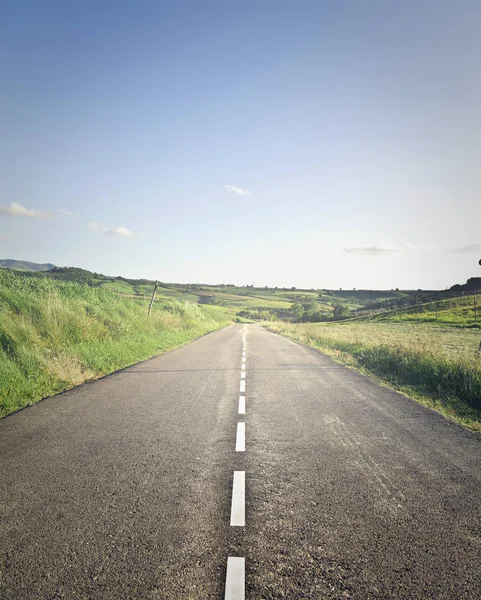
315, 144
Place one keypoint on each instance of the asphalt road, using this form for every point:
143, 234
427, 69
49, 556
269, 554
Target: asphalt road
123, 488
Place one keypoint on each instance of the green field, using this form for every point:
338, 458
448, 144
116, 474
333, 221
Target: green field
440, 366
56, 334
460, 311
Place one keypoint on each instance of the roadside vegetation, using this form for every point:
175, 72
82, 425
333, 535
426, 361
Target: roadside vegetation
61, 326
57, 334
439, 366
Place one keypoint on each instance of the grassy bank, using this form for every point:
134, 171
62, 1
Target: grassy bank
55, 335
438, 366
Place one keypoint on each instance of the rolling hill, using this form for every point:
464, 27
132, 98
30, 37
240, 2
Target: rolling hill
24, 265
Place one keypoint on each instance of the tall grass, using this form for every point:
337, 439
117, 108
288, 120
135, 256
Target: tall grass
54, 335
441, 368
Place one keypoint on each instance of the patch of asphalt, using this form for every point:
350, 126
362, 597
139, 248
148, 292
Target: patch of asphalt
355, 491
121, 488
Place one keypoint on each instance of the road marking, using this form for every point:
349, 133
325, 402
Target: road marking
243, 385
238, 508
243, 374
242, 405
240, 440
235, 578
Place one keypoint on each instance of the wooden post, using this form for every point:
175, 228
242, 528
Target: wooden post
153, 298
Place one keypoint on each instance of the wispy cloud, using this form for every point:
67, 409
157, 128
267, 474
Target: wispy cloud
379, 250
237, 190
17, 210
468, 249
62, 211
119, 231
385, 249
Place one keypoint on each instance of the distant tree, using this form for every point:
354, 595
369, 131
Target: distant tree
310, 307
341, 312
297, 311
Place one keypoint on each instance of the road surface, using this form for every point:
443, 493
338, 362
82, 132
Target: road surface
199, 475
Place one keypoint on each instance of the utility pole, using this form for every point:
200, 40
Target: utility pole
153, 297
479, 349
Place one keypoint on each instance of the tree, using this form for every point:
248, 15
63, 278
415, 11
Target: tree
341, 312
297, 310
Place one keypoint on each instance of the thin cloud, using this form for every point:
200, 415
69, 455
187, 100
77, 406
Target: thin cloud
120, 231
468, 249
62, 211
379, 250
17, 210
237, 190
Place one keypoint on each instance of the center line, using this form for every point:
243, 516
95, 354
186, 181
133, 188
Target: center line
238, 509
243, 374
240, 440
242, 405
243, 385
235, 578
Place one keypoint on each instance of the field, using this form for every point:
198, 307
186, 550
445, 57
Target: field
56, 334
439, 366
456, 311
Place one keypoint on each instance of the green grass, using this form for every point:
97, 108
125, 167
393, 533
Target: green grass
55, 335
457, 312
438, 366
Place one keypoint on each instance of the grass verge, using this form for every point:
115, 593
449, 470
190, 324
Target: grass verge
55, 335
434, 367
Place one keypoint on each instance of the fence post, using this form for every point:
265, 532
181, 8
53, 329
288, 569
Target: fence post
153, 298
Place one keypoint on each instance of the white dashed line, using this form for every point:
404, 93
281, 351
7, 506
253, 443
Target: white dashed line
238, 509
242, 385
242, 405
240, 440
235, 578
243, 374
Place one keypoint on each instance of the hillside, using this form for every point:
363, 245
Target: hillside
24, 265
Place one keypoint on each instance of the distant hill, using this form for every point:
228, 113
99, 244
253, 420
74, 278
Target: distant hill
24, 265
473, 284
